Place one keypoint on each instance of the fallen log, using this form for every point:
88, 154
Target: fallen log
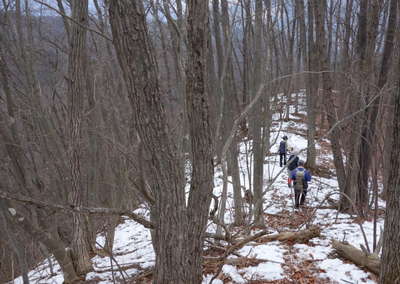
142, 276
242, 261
296, 237
277, 215
357, 256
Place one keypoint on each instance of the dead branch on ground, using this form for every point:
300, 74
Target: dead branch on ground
357, 256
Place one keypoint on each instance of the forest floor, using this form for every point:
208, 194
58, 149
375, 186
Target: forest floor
257, 262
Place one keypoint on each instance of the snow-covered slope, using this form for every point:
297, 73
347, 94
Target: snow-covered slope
313, 262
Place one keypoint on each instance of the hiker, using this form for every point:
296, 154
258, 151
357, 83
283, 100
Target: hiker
293, 163
300, 177
283, 150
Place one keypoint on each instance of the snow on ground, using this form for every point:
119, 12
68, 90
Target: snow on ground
133, 249
273, 253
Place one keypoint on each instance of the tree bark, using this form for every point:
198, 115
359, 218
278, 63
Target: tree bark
237, 191
327, 86
179, 230
311, 79
367, 149
200, 132
139, 67
255, 123
55, 245
390, 269
231, 110
77, 90
355, 101
366, 71
17, 247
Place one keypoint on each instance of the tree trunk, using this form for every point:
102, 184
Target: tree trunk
258, 151
76, 90
136, 58
367, 149
17, 247
233, 164
155, 7
223, 199
179, 231
247, 42
201, 138
311, 79
390, 268
231, 110
364, 153
327, 85
52, 242
355, 102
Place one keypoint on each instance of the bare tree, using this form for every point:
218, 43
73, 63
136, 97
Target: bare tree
390, 264
76, 90
369, 127
307, 46
256, 119
179, 229
319, 8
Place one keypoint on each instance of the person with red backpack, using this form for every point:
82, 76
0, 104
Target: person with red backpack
301, 177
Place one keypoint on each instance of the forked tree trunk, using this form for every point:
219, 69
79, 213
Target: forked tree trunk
179, 230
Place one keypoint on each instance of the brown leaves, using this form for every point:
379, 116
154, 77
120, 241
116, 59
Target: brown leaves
302, 271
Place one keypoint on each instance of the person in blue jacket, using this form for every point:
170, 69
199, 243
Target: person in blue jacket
301, 177
283, 147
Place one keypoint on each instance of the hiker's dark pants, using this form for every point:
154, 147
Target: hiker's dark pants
299, 196
282, 156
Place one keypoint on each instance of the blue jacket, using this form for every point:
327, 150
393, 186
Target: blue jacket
282, 147
307, 175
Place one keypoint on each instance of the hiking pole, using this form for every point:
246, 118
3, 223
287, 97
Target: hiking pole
293, 198
293, 193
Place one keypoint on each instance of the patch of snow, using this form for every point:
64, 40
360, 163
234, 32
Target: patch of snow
265, 271
313, 252
339, 271
233, 273
272, 251
207, 280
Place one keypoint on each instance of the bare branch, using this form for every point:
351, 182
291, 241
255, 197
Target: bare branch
72, 20
84, 210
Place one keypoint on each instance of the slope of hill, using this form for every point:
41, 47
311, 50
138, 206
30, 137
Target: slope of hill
258, 261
